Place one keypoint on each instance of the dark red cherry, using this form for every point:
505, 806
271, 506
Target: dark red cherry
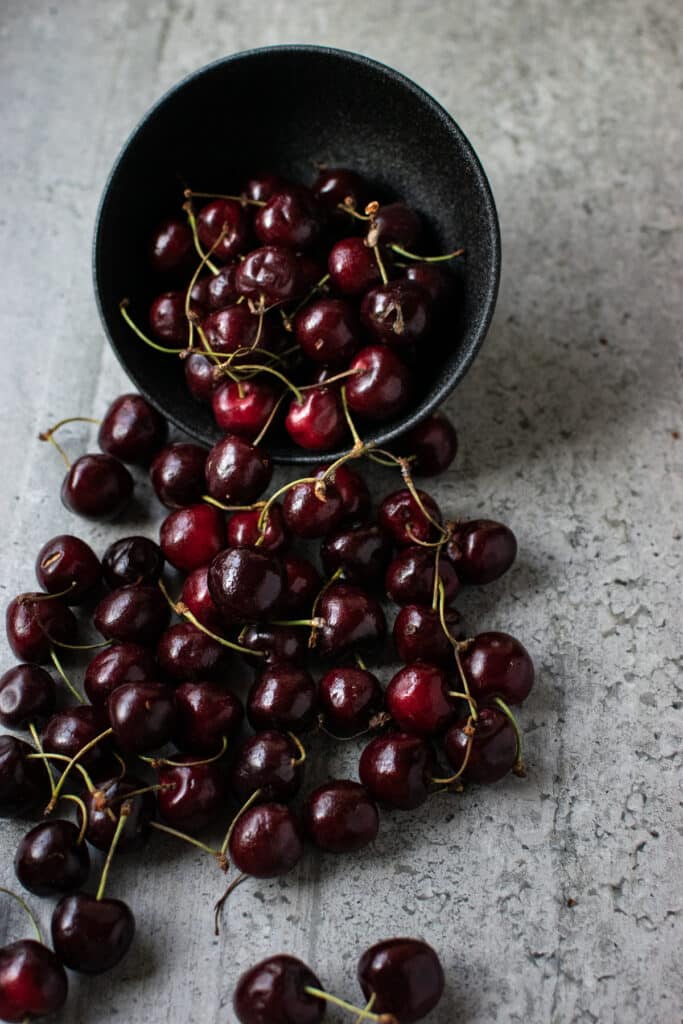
302, 584
278, 643
27, 694
243, 407
186, 653
266, 841
132, 560
235, 327
341, 816
23, 782
482, 550
352, 266
223, 215
177, 474
197, 599
336, 184
135, 614
90, 935
410, 576
271, 273
190, 537
35, 623
167, 319
207, 713
417, 699
497, 665
193, 795
397, 768
494, 746
132, 430
353, 491
397, 223
199, 294
317, 423
352, 620
274, 992
419, 635
114, 666
402, 518
349, 699
221, 289
261, 186
237, 472
33, 983
433, 443
68, 563
104, 810
363, 552
244, 530
142, 716
290, 217
328, 330
68, 731
246, 583
397, 313
436, 281
97, 487
50, 859
310, 516
382, 388
404, 976
269, 762
171, 246
283, 697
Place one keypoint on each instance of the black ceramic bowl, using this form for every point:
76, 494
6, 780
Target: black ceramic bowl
286, 108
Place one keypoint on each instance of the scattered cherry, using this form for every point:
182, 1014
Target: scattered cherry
381, 388
274, 992
277, 643
97, 487
177, 474
91, 935
186, 653
341, 817
362, 552
35, 623
115, 665
433, 445
266, 841
132, 560
402, 518
419, 636
142, 716
353, 620
27, 695
246, 583
494, 748
482, 550
302, 584
405, 977
33, 982
133, 614
104, 809
197, 599
497, 665
417, 699
397, 768
23, 782
410, 576
268, 762
132, 430
68, 731
190, 537
244, 530
192, 795
308, 515
68, 564
353, 491
50, 859
237, 472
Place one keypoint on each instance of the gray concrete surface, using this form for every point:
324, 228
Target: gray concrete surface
553, 899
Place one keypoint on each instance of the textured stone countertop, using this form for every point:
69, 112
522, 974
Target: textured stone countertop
551, 899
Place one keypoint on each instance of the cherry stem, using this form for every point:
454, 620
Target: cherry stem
266, 426
348, 207
437, 577
357, 440
408, 481
457, 693
380, 265
317, 622
120, 825
333, 380
456, 650
426, 259
191, 220
381, 1018
368, 1006
180, 609
232, 508
242, 200
84, 814
361, 664
27, 910
48, 767
218, 906
193, 280
301, 748
245, 807
314, 290
74, 760
65, 679
90, 785
123, 310
313, 636
156, 788
187, 839
468, 750
160, 762
280, 376
519, 764
80, 647
356, 452
123, 767
263, 518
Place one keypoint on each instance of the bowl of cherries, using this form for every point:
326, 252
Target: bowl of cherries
300, 241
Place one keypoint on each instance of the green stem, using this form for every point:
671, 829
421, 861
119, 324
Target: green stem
280, 376
27, 910
65, 679
357, 440
89, 784
157, 762
508, 713
120, 825
426, 259
185, 838
302, 750
181, 609
381, 1018
84, 814
242, 200
191, 220
218, 906
123, 310
39, 746
74, 760
245, 807
266, 426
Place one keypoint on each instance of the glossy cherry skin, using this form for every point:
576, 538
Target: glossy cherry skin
266, 841
436, 281
262, 185
136, 614
363, 552
397, 223
328, 330
243, 408
494, 746
302, 584
349, 699
185, 653
410, 576
382, 387
317, 423
199, 376
482, 550
271, 272
197, 599
336, 184
91, 936
419, 635
274, 992
283, 697
97, 487
352, 620
353, 491
171, 246
497, 665
33, 983
397, 768
433, 443
190, 537
132, 430
340, 817
404, 976
177, 474
290, 218
269, 762
49, 859
206, 713
33, 624
397, 313
222, 215
132, 560
104, 810
167, 319
235, 327
417, 699
401, 517
70, 730
22, 782
115, 665
310, 516
222, 288
246, 583
244, 530
278, 643
142, 716
27, 694
195, 796
352, 266
237, 472
68, 563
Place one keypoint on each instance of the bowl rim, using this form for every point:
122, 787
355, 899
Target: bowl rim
448, 382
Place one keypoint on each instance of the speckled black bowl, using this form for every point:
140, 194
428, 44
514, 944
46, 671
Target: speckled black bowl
285, 108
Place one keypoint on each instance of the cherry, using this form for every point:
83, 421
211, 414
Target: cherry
97, 487
433, 443
349, 699
185, 653
190, 537
270, 273
302, 584
352, 266
33, 983
142, 716
382, 387
91, 935
197, 599
243, 407
274, 992
132, 560
363, 553
222, 215
310, 516
68, 731
266, 841
336, 184
410, 576
222, 287
493, 751
290, 218
482, 550
352, 620
232, 328
328, 330
244, 531
132, 430
177, 474
237, 472
199, 376
317, 422
133, 614
419, 635
245, 583
353, 490
262, 186
282, 697
50, 859
397, 313
497, 665
341, 817
435, 280
104, 810
114, 666
417, 699
22, 781
269, 762
171, 246
404, 976
27, 694
34, 623
402, 518
279, 643
396, 223
68, 563
193, 795
207, 714
167, 319
396, 768
199, 294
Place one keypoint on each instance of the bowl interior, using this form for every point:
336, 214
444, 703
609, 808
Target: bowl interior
286, 109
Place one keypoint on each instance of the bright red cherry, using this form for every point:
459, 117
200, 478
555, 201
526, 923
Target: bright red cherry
33, 983
243, 407
417, 699
382, 387
222, 215
190, 537
317, 423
